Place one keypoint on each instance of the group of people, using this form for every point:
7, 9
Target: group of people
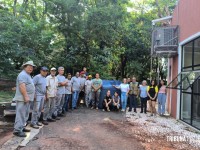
53, 93
131, 90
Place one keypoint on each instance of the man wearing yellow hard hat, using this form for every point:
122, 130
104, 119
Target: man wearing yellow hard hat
88, 91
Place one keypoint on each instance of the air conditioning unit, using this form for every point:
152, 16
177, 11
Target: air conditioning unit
164, 36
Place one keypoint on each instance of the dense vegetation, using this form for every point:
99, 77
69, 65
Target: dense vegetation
112, 37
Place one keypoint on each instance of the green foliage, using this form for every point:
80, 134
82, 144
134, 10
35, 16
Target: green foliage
101, 35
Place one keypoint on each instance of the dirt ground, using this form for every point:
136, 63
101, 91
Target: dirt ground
86, 129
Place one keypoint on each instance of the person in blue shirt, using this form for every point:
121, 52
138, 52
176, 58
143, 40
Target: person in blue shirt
143, 96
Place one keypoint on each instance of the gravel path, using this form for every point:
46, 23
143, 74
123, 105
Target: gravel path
86, 129
163, 132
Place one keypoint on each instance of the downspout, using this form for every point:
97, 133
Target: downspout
179, 69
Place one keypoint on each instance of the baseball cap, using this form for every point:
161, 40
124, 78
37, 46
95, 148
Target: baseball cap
44, 68
82, 72
53, 69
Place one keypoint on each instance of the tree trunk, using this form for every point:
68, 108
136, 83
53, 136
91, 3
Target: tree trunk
14, 7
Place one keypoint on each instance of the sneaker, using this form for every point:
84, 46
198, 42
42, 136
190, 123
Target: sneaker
26, 130
97, 108
141, 112
108, 109
34, 126
19, 134
103, 109
45, 122
92, 107
39, 124
122, 110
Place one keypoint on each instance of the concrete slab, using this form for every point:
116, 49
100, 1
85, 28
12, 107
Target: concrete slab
15, 141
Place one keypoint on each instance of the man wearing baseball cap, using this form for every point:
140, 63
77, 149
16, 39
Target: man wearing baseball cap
49, 106
40, 96
25, 91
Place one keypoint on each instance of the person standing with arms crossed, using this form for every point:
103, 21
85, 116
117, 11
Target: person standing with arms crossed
60, 98
96, 89
25, 91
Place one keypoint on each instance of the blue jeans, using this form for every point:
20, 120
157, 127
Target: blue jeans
161, 103
123, 100
67, 99
75, 98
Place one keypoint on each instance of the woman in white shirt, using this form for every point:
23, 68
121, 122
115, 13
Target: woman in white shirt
124, 87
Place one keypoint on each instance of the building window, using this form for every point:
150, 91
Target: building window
187, 56
196, 111
190, 97
186, 107
197, 53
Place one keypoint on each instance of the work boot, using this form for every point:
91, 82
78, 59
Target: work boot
45, 122
61, 115
26, 130
39, 124
19, 134
34, 126
51, 120
57, 118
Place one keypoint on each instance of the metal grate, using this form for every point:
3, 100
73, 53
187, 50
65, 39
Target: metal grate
165, 41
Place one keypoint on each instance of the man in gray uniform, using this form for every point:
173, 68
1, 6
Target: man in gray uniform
76, 86
25, 91
60, 98
49, 105
40, 93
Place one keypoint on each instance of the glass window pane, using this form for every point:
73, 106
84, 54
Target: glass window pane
182, 79
197, 52
187, 55
196, 111
197, 68
186, 107
188, 69
196, 86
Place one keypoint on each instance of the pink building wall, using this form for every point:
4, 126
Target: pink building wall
187, 16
